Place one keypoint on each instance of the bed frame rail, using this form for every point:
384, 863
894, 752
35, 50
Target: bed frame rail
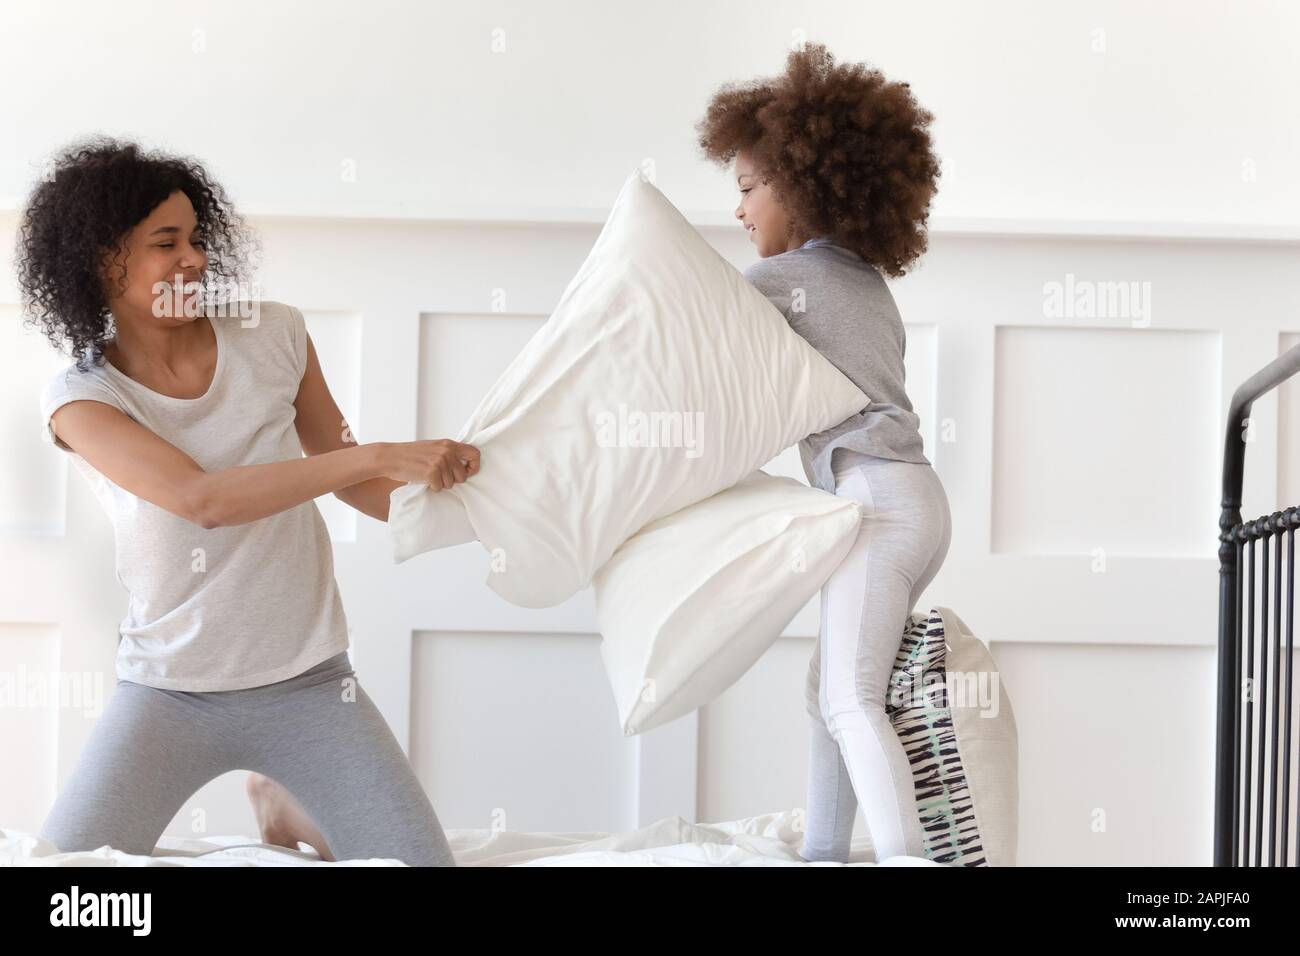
1255, 821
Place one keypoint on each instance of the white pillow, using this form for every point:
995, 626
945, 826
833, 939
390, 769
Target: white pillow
686, 606
655, 323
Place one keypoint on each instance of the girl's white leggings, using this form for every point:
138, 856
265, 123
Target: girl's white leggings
855, 756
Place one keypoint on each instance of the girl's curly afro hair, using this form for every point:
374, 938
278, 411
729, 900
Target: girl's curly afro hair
847, 152
75, 220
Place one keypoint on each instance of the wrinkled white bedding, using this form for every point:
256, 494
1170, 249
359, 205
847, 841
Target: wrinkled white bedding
768, 840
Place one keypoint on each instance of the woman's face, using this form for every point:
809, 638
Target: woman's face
759, 211
162, 246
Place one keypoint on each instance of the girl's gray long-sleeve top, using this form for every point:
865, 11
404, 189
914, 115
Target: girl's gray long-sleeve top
840, 304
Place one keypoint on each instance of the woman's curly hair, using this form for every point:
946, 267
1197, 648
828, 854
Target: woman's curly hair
76, 219
846, 152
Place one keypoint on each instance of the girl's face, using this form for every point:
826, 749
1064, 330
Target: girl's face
759, 211
164, 245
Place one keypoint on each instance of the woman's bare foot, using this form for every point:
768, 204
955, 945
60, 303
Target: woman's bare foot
281, 818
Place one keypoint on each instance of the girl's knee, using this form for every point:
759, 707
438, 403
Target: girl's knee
853, 707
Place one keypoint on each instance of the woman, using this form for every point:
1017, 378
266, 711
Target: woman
835, 170
191, 425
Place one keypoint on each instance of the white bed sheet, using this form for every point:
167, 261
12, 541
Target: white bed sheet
768, 840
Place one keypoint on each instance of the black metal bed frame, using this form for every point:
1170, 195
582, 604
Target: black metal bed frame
1241, 777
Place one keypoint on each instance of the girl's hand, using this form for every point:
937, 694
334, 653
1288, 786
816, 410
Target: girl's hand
439, 463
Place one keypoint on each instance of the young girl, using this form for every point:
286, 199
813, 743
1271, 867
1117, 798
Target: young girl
190, 422
836, 173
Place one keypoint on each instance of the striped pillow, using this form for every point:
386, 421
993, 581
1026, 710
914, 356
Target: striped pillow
950, 710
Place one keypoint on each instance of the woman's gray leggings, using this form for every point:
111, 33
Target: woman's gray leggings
856, 755
318, 734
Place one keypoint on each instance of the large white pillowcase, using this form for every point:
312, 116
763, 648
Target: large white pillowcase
686, 606
654, 323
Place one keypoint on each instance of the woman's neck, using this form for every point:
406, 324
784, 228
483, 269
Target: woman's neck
140, 345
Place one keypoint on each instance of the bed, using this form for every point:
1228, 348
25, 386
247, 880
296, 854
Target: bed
767, 840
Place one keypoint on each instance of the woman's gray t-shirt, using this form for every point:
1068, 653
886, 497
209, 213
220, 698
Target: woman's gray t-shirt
840, 304
229, 607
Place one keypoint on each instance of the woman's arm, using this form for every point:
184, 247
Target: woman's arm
322, 430
152, 468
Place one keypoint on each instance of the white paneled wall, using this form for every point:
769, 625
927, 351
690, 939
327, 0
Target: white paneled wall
1081, 455
1055, 384
31, 500
504, 110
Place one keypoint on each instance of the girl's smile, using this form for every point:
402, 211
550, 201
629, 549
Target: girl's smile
760, 212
